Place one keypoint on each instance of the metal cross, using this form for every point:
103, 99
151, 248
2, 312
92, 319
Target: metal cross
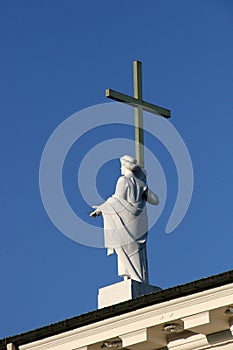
139, 105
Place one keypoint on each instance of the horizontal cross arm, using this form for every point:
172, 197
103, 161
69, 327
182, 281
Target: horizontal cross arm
149, 107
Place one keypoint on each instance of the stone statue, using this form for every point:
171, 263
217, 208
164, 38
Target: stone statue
125, 220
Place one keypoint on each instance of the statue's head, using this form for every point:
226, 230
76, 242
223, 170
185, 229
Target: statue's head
130, 165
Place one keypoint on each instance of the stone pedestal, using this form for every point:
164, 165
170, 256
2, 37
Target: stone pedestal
122, 291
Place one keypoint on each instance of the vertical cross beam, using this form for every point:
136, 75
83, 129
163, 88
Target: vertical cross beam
138, 113
139, 106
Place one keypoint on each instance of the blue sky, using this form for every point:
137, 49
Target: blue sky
58, 57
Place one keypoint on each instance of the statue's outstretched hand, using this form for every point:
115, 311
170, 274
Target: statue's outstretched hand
96, 212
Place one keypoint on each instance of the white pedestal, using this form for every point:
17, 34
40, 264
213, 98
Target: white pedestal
122, 291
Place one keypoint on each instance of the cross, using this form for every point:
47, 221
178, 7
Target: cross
139, 105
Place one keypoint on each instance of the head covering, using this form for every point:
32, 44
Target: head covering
129, 162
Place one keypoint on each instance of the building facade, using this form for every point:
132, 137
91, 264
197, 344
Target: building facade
194, 316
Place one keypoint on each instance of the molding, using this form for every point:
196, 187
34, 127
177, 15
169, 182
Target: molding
221, 341
136, 337
194, 342
142, 336
196, 320
150, 316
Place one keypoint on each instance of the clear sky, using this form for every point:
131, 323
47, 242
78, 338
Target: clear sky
57, 57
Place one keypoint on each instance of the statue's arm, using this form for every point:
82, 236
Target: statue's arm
151, 197
121, 187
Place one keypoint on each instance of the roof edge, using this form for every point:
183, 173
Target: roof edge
118, 309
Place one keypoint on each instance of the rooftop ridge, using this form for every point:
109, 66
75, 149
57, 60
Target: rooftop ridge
118, 309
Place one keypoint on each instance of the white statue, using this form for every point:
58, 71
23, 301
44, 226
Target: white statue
125, 220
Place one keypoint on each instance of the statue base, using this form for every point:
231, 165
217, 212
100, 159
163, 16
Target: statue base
123, 291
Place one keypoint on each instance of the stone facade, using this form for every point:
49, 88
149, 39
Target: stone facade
191, 321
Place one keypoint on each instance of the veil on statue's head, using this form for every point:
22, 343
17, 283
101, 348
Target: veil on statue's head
131, 164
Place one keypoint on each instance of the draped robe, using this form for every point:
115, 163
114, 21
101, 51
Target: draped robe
126, 227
